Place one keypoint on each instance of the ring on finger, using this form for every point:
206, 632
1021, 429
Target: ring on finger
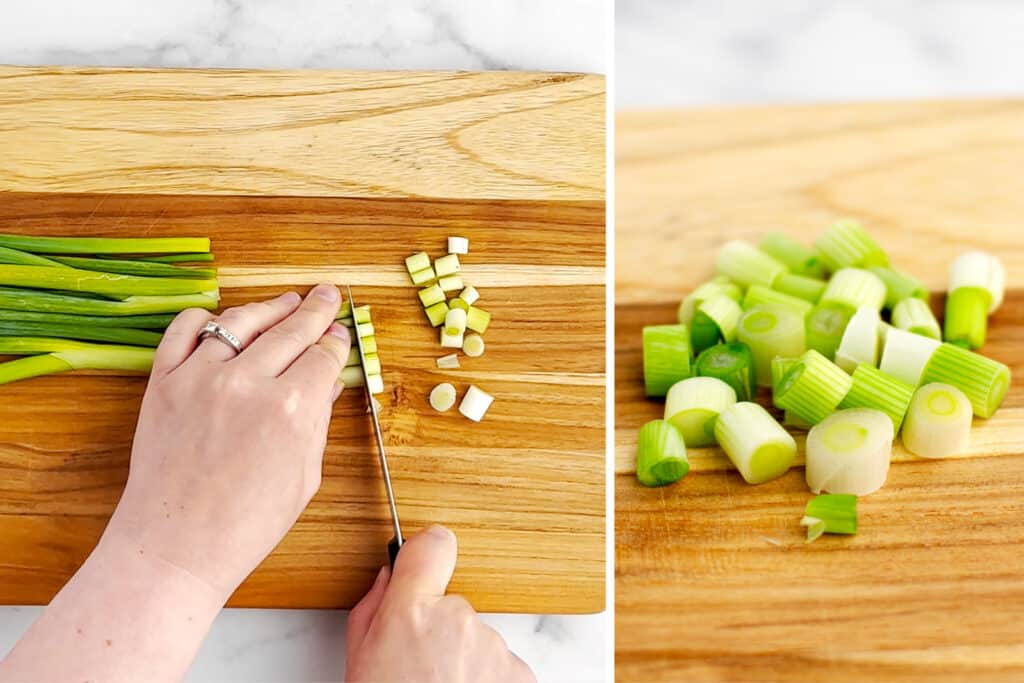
212, 329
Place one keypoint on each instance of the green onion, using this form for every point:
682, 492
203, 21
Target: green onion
442, 397
67, 355
855, 287
431, 295
831, 513
23, 258
704, 332
50, 302
794, 421
756, 444
915, 315
769, 332
473, 345
813, 388
107, 284
899, 285
693, 405
450, 283
128, 267
449, 362
860, 340
982, 379
733, 364
779, 367
437, 313
967, 317
825, 327
475, 403
422, 277
447, 265
874, 389
939, 422
105, 245
180, 258
660, 454
688, 306
759, 295
978, 269
849, 452
906, 354
458, 245
801, 286
455, 321
666, 357
417, 263
799, 259
724, 312
470, 295
138, 322
458, 302
846, 243
744, 263
477, 319
369, 345
114, 335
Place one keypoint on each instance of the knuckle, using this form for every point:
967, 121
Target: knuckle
321, 352
287, 335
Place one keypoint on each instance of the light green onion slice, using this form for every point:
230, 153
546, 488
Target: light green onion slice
756, 444
447, 265
106, 284
779, 367
813, 388
803, 287
978, 269
437, 313
688, 306
874, 389
905, 355
136, 322
667, 357
431, 295
442, 397
938, 422
849, 452
733, 364
860, 340
450, 283
51, 302
744, 263
105, 245
458, 302
693, 405
362, 314
475, 403
131, 267
112, 335
417, 263
982, 379
799, 259
846, 243
372, 364
449, 362
915, 315
473, 345
966, 322
375, 383
455, 321
831, 513
477, 319
769, 332
758, 295
458, 245
724, 312
855, 287
899, 285
660, 454
825, 327
422, 277
704, 332
469, 295
352, 376
369, 344
364, 329
451, 340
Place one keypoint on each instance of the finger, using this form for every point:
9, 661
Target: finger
425, 563
179, 341
320, 365
278, 347
246, 322
361, 616
520, 671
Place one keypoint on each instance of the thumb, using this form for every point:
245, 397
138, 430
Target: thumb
426, 563
361, 616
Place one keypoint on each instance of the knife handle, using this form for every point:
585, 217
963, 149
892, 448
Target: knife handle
393, 549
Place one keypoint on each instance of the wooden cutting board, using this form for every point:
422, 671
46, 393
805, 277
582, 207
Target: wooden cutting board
307, 177
714, 581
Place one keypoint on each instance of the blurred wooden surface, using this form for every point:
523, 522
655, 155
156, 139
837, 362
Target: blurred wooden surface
524, 489
714, 581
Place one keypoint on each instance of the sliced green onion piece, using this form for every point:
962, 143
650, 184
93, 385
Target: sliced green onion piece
849, 452
450, 283
855, 287
825, 327
813, 388
362, 314
113, 335
469, 295
846, 243
733, 364
455, 321
422, 277
799, 259
803, 287
364, 329
457, 302
779, 367
759, 295
477, 319
129, 267
860, 340
704, 332
352, 376
442, 397
693, 405
667, 357
447, 265
982, 379
458, 245
746, 264
475, 403
449, 362
105, 245
756, 444
660, 454
915, 315
906, 354
769, 332
79, 357
369, 345
874, 389
417, 263
107, 284
899, 285
833, 513
437, 313
938, 422
725, 313
375, 383
431, 295
473, 345
451, 340
372, 364
966, 322
51, 302
981, 270
136, 322
688, 306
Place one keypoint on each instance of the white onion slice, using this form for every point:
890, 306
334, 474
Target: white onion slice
442, 397
458, 245
475, 403
849, 452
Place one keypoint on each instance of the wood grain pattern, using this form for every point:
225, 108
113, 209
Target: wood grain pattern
524, 490
495, 135
713, 579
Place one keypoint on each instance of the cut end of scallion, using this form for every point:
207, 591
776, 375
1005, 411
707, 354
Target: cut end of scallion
733, 364
744, 263
693, 406
847, 244
458, 245
938, 422
849, 452
983, 380
473, 345
830, 513
661, 454
475, 403
667, 357
442, 397
813, 388
771, 331
756, 444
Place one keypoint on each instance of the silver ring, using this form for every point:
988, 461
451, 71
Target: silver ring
212, 329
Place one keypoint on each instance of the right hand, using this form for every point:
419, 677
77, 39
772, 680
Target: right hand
406, 629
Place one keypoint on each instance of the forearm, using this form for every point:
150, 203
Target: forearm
125, 616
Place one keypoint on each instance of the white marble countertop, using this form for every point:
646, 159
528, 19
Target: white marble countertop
569, 35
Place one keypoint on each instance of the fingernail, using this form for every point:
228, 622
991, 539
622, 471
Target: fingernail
327, 292
336, 392
290, 298
339, 331
440, 532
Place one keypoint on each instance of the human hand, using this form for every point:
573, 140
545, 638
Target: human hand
406, 629
228, 449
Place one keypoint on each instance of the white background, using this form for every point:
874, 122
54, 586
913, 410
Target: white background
564, 35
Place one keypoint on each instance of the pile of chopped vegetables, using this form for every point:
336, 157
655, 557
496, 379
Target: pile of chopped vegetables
359, 321
449, 304
808, 324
